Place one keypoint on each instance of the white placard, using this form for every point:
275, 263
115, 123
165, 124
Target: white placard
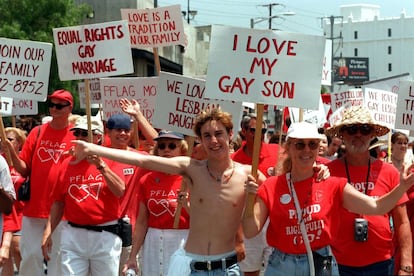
327, 64
94, 92
351, 97
24, 69
180, 99
261, 66
6, 106
155, 27
93, 51
405, 106
382, 105
144, 90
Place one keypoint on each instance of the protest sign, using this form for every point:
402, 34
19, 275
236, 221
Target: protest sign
327, 64
144, 90
93, 51
405, 106
180, 99
24, 107
95, 92
24, 69
6, 106
265, 67
317, 117
155, 27
382, 105
351, 97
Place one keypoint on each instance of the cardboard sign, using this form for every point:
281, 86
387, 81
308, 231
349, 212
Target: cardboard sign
24, 69
93, 51
405, 106
94, 91
382, 105
327, 64
144, 90
351, 97
262, 66
155, 27
180, 100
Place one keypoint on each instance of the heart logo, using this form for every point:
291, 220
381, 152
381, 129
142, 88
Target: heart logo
49, 154
159, 207
83, 191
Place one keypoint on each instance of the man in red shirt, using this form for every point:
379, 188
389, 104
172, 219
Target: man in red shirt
40, 159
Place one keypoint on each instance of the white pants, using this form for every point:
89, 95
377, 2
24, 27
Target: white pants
31, 248
85, 252
158, 247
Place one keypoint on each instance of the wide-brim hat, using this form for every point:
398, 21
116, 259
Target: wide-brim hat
357, 115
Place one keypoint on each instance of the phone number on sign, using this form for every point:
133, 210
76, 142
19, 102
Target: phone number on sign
20, 86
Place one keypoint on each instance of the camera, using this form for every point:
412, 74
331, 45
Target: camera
360, 230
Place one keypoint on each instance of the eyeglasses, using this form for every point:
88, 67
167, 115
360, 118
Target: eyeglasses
253, 130
79, 132
364, 129
171, 146
10, 139
313, 145
58, 106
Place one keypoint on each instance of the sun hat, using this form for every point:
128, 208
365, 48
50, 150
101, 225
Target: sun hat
357, 115
82, 123
62, 95
377, 143
303, 130
170, 135
119, 121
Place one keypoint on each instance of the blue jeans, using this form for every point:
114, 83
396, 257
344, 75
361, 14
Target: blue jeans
381, 268
233, 270
282, 264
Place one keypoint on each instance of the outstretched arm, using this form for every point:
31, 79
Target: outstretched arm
175, 165
360, 203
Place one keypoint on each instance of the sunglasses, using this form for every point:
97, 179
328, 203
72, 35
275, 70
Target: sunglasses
313, 145
171, 146
253, 130
79, 132
58, 106
364, 129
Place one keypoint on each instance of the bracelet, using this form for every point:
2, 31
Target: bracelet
101, 166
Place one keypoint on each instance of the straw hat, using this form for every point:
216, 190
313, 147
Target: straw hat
357, 115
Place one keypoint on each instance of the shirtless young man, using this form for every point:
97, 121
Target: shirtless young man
217, 194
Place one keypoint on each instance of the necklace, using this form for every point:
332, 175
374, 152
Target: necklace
219, 179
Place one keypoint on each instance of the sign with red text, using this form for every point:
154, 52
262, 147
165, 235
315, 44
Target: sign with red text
180, 99
24, 107
351, 97
93, 51
94, 92
144, 90
405, 106
266, 67
327, 64
24, 69
155, 27
382, 105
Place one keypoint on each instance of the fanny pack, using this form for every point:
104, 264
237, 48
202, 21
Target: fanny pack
122, 229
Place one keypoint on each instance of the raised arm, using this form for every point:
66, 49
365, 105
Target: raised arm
360, 203
175, 165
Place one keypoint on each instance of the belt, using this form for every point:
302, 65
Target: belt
223, 263
109, 228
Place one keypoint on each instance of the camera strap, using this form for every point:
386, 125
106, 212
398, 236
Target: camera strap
302, 224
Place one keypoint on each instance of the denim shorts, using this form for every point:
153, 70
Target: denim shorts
294, 264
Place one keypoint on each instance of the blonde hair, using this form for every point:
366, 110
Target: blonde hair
19, 133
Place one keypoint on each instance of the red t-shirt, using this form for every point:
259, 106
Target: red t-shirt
129, 201
267, 158
320, 203
43, 159
13, 221
158, 191
379, 247
83, 190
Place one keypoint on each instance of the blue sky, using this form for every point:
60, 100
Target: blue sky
307, 18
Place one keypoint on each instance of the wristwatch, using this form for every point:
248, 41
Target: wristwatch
101, 166
406, 268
